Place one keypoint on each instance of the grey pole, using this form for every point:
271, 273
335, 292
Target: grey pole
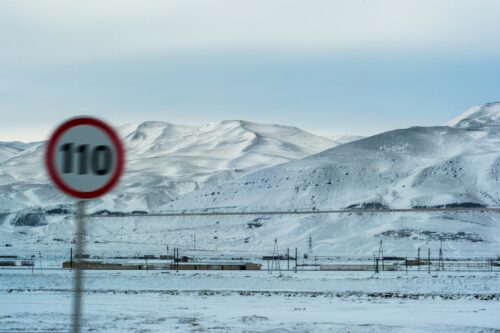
287, 258
429, 259
40, 257
78, 275
296, 260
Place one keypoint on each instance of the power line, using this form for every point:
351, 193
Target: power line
276, 212
306, 212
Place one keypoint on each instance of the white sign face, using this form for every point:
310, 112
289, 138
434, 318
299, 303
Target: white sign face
84, 158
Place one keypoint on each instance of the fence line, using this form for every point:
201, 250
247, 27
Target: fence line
275, 212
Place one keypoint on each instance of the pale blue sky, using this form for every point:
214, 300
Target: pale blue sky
329, 67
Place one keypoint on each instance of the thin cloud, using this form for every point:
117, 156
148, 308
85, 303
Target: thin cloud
320, 65
55, 31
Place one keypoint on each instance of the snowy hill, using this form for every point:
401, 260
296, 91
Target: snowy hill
405, 168
480, 117
163, 161
241, 166
10, 149
345, 138
414, 167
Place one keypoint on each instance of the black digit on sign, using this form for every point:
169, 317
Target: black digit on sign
82, 166
101, 160
67, 150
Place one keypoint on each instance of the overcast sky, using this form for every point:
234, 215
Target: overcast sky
329, 67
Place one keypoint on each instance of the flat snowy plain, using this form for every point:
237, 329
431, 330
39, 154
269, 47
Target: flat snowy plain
314, 301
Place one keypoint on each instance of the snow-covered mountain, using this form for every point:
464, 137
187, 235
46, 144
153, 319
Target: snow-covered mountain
164, 161
454, 165
414, 167
482, 117
10, 149
418, 166
344, 138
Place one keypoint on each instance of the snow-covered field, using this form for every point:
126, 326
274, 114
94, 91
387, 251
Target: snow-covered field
162, 301
464, 234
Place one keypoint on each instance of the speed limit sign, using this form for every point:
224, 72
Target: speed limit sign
84, 157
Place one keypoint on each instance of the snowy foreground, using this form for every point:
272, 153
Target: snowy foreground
314, 301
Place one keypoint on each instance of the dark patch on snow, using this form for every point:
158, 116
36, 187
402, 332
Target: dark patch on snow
29, 220
431, 235
368, 205
106, 212
256, 223
251, 225
454, 205
59, 211
139, 212
252, 319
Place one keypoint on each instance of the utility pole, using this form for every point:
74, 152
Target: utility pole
381, 254
287, 258
40, 257
418, 258
276, 259
440, 261
429, 259
310, 245
296, 256
176, 258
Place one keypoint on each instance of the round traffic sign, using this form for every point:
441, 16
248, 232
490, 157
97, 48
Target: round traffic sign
84, 157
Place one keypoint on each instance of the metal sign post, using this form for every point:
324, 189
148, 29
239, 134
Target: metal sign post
78, 275
84, 159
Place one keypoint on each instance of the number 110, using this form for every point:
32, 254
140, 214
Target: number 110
99, 162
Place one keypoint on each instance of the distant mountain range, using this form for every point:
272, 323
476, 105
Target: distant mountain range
242, 166
164, 161
457, 164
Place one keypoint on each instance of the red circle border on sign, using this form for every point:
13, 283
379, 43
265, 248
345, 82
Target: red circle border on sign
110, 132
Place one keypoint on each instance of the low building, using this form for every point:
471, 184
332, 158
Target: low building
111, 266
357, 267
234, 266
215, 266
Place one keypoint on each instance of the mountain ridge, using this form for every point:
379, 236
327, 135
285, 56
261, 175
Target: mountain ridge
164, 160
478, 117
435, 166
